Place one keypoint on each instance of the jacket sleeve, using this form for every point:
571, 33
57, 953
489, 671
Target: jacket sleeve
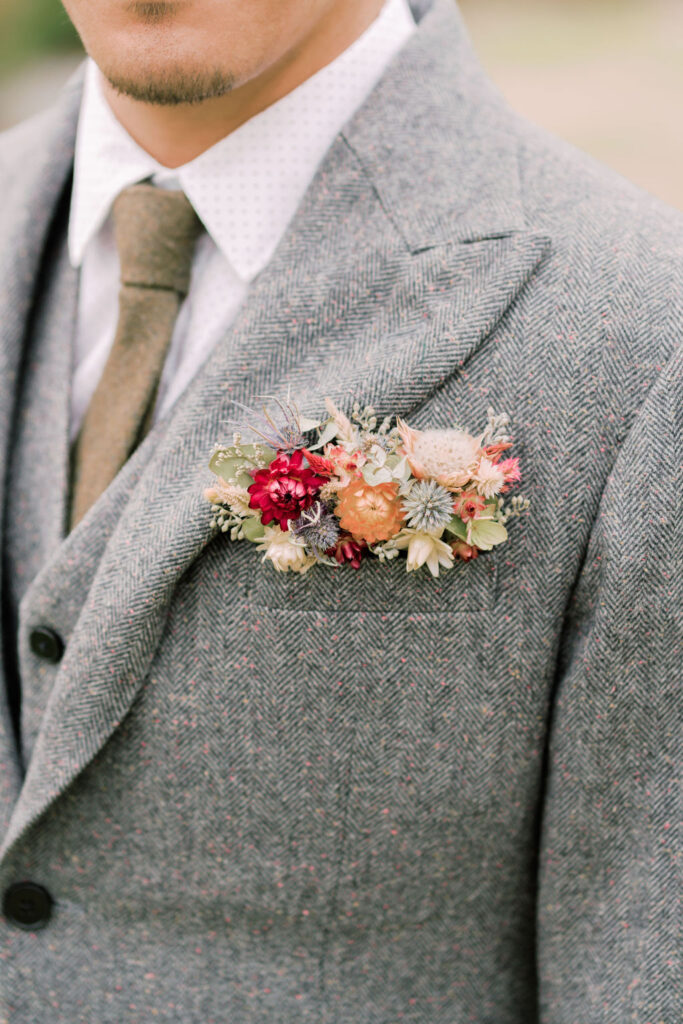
608, 910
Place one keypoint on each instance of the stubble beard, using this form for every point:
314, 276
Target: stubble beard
176, 87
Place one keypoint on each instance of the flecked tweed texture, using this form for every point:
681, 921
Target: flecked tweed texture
372, 798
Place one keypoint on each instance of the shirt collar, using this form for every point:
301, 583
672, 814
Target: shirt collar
247, 187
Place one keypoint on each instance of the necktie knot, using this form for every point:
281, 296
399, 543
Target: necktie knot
156, 231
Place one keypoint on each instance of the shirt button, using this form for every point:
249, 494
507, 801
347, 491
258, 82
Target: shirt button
46, 643
27, 905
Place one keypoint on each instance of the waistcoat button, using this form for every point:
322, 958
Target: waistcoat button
47, 644
27, 905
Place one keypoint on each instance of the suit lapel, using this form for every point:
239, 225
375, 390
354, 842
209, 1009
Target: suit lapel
370, 295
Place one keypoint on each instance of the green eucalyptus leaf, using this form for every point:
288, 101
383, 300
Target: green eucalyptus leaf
328, 433
400, 468
253, 528
233, 471
486, 533
457, 527
305, 424
374, 476
233, 464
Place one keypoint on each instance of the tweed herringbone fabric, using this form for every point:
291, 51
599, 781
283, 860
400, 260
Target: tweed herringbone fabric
155, 230
29, 536
369, 796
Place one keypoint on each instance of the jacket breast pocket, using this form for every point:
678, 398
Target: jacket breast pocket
369, 704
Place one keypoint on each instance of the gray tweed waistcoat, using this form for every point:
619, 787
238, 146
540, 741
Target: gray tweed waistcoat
372, 797
37, 495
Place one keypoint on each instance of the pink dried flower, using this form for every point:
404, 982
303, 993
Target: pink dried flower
494, 451
510, 468
468, 505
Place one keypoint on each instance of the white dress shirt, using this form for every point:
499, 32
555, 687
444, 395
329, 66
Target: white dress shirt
245, 189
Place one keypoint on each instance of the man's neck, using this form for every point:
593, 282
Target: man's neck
174, 135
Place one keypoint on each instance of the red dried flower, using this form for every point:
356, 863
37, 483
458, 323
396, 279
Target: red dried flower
464, 551
348, 550
284, 490
318, 463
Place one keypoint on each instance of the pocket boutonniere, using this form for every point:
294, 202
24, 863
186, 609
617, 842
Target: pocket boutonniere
342, 489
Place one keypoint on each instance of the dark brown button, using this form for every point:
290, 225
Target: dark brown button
47, 644
27, 905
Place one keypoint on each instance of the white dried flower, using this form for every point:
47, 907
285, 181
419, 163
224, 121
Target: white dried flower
283, 550
345, 429
447, 456
425, 549
236, 498
489, 478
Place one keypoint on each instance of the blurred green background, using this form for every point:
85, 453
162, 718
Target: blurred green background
605, 74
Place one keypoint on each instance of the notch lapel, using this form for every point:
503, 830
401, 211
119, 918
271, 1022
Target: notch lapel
374, 293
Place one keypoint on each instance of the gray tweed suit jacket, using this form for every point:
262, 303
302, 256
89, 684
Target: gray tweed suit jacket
371, 797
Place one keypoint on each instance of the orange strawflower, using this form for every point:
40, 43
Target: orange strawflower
370, 513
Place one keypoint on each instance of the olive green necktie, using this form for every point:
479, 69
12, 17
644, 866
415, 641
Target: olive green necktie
155, 231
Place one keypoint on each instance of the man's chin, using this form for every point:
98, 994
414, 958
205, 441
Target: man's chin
171, 88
